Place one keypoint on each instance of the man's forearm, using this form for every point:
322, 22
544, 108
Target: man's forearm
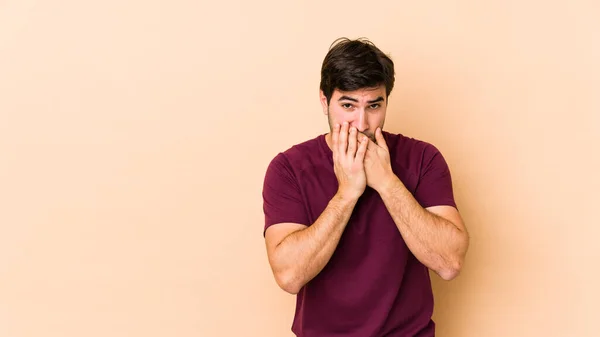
304, 253
433, 240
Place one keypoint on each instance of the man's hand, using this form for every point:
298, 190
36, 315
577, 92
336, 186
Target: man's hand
377, 163
348, 158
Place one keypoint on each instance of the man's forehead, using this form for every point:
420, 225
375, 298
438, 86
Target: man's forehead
365, 93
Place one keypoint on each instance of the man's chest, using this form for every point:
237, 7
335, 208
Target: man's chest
319, 185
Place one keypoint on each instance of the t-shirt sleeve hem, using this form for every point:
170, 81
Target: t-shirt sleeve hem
287, 220
447, 202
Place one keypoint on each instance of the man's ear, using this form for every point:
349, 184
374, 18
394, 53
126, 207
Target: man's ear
323, 100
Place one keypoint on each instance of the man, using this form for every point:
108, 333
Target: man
356, 217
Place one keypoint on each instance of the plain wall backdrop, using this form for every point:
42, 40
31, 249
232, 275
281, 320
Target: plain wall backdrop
134, 138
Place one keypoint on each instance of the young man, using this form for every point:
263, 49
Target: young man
356, 217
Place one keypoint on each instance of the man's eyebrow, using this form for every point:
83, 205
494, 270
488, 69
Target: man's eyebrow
348, 98
378, 99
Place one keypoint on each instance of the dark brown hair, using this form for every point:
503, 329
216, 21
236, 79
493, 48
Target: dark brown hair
355, 64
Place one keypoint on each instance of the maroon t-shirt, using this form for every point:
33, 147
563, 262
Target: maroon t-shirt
372, 285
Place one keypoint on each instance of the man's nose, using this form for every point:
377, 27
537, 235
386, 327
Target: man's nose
360, 122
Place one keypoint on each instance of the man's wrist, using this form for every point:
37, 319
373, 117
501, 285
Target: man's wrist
345, 199
391, 183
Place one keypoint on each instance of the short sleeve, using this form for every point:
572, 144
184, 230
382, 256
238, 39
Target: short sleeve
282, 199
435, 182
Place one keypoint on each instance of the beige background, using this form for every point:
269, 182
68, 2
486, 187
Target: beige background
134, 136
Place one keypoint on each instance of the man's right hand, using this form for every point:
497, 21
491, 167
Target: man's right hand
348, 161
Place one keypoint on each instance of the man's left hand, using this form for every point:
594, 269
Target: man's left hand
377, 163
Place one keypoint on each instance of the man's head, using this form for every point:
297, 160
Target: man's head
356, 81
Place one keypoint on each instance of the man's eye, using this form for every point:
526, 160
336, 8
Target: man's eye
374, 106
346, 105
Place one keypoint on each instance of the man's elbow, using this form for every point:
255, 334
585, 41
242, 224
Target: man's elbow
453, 263
451, 270
448, 274
288, 282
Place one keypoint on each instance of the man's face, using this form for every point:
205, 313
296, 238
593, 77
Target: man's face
364, 109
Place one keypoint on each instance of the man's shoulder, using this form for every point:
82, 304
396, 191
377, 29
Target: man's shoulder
407, 146
411, 155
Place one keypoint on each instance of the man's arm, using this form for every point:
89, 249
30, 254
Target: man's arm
436, 236
298, 253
